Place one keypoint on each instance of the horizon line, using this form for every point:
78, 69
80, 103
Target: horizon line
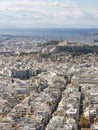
51, 28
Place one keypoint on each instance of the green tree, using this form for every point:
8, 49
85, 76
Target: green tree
84, 122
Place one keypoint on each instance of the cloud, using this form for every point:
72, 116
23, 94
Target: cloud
36, 8
41, 12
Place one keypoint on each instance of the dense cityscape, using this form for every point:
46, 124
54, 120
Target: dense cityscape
48, 85
48, 64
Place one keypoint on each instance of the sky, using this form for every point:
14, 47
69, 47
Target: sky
48, 13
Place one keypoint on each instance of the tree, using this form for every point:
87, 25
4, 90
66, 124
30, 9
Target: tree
84, 122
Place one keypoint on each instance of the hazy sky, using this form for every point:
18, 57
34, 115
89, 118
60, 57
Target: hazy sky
48, 13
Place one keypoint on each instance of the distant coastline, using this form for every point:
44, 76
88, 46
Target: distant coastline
70, 34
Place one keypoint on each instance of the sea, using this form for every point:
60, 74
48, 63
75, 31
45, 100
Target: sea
69, 34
